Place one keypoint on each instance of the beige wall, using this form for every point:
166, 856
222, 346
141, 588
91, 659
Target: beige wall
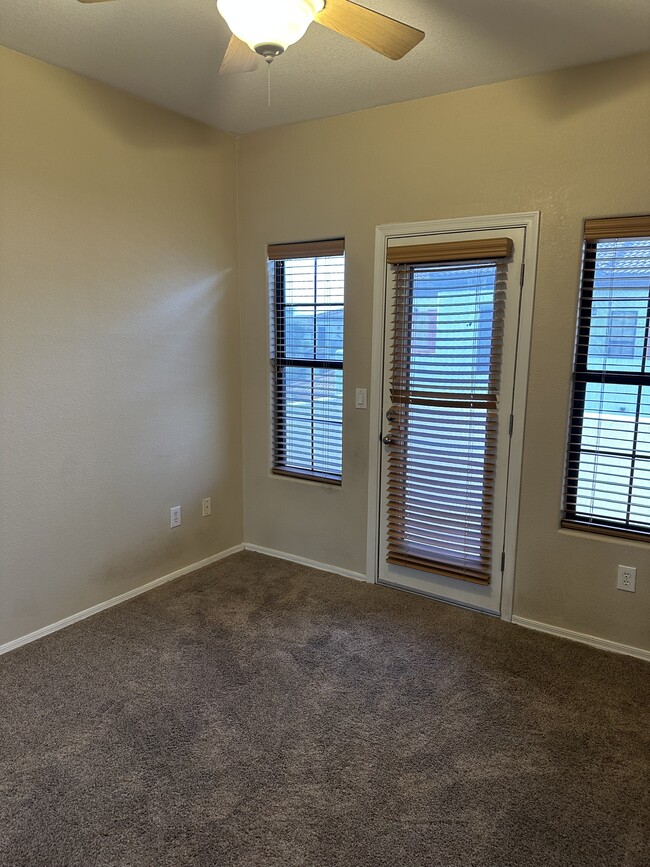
571, 144
120, 387
119, 343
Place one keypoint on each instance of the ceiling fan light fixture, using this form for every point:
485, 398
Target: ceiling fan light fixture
269, 23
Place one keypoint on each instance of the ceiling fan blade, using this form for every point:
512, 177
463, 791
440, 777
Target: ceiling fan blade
238, 58
383, 34
94, 1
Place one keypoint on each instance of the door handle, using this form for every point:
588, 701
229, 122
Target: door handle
388, 441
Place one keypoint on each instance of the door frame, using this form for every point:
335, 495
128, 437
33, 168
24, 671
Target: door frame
530, 222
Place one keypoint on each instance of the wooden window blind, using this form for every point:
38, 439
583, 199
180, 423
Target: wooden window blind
607, 480
306, 283
447, 337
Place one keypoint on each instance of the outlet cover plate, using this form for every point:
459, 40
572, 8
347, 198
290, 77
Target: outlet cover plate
626, 578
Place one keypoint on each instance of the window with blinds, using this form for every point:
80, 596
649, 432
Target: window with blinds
607, 488
306, 283
447, 337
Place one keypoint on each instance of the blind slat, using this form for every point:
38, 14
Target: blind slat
427, 564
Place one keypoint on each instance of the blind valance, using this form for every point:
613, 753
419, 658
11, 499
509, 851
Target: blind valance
452, 251
306, 249
617, 227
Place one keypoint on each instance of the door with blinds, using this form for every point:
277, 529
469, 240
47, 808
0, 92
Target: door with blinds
450, 345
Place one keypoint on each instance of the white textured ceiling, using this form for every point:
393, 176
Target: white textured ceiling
169, 51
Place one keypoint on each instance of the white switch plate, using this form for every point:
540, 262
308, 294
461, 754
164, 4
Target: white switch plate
175, 516
207, 506
361, 400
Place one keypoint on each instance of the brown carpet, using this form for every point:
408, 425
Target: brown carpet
262, 713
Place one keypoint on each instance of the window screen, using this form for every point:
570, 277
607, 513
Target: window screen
607, 486
307, 294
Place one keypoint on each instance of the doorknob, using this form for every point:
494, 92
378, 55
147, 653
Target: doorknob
388, 441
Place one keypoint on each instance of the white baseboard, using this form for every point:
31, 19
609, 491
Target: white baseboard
592, 640
304, 561
116, 600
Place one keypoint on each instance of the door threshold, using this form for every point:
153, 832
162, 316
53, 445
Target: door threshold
392, 586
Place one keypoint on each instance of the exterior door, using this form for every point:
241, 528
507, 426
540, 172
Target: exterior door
450, 348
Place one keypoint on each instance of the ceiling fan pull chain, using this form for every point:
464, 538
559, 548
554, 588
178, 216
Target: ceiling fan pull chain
268, 66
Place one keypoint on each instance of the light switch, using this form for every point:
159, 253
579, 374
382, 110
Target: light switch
361, 401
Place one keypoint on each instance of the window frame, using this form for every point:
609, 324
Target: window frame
633, 228
280, 362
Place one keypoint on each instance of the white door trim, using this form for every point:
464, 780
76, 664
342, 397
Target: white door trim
530, 222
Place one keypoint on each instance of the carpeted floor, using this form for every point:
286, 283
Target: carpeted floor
262, 713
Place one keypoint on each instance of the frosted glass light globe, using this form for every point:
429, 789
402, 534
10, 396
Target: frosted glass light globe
269, 22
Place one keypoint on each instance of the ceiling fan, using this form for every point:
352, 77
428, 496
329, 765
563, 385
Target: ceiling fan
266, 28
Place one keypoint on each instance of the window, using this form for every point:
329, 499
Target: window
445, 388
307, 288
608, 459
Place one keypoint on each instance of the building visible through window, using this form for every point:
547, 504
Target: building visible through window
622, 334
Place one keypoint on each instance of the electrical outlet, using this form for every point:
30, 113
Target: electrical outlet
207, 506
175, 516
626, 578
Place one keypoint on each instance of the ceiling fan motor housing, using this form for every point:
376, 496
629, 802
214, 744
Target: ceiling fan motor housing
269, 50
269, 26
